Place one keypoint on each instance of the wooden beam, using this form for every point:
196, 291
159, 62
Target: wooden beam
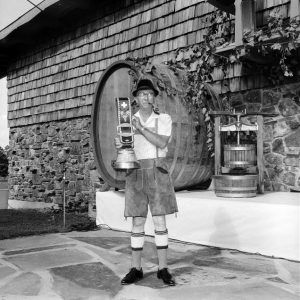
238, 23
294, 8
260, 161
217, 145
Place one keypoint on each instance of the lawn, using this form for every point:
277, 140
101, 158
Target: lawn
24, 222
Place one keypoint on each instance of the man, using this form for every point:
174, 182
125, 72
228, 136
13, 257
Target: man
151, 184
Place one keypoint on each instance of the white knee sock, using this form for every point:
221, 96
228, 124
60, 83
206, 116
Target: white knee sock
161, 239
137, 241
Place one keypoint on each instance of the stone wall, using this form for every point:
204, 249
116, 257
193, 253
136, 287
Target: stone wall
39, 155
281, 133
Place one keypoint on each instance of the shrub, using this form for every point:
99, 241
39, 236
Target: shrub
3, 163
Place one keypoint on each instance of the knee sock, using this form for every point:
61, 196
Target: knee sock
137, 243
161, 241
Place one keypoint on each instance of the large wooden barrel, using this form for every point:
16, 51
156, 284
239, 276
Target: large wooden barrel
235, 186
239, 156
188, 158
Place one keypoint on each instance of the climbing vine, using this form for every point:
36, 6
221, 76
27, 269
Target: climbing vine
278, 39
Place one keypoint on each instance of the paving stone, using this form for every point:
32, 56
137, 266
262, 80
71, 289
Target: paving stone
250, 266
27, 284
119, 262
69, 290
37, 249
6, 271
245, 291
104, 242
37, 241
43, 260
92, 276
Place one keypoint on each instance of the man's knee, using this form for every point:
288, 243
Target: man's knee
159, 222
138, 223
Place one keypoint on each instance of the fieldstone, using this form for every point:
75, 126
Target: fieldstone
268, 133
293, 140
28, 284
289, 178
277, 146
293, 123
270, 98
266, 147
280, 129
288, 107
292, 161
253, 96
273, 159
87, 276
270, 109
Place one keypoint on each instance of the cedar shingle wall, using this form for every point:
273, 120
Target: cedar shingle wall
57, 80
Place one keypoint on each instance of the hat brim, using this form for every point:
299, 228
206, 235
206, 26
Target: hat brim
144, 84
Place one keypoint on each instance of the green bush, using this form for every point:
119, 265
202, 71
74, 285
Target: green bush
24, 222
3, 163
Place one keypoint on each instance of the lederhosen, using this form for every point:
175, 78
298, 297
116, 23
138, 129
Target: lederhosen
150, 185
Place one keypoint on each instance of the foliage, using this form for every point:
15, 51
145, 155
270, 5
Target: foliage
278, 39
3, 163
201, 60
24, 222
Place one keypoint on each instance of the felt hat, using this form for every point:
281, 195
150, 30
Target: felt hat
145, 84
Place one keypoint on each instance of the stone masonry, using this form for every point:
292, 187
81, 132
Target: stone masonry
40, 154
281, 133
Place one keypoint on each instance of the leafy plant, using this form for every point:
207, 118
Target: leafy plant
201, 60
3, 163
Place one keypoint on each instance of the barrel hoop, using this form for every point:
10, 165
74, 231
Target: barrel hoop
240, 147
240, 163
236, 189
235, 195
235, 177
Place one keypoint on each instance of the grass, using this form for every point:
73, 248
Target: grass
24, 222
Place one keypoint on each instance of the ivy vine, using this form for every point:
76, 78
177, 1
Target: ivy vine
277, 39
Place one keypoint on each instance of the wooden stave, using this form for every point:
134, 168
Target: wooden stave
243, 155
232, 185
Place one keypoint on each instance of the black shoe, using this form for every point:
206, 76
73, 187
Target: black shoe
165, 276
134, 275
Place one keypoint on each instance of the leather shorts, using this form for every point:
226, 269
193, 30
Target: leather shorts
151, 186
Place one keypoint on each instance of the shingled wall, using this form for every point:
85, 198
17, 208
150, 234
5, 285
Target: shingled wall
51, 90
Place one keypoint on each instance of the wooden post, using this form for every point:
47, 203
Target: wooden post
238, 23
217, 145
294, 8
248, 15
260, 162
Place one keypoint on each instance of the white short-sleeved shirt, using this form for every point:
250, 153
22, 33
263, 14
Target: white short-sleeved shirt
142, 147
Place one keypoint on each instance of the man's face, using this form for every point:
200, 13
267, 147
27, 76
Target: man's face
145, 98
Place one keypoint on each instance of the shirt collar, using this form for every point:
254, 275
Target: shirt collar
152, 116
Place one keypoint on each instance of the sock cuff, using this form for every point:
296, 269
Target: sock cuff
161, 232
137, 241
161, 239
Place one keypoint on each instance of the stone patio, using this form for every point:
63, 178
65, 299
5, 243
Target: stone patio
90, 265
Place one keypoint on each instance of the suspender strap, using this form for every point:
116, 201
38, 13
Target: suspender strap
156, 131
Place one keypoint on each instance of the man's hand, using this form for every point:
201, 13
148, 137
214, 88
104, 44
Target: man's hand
136, 122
